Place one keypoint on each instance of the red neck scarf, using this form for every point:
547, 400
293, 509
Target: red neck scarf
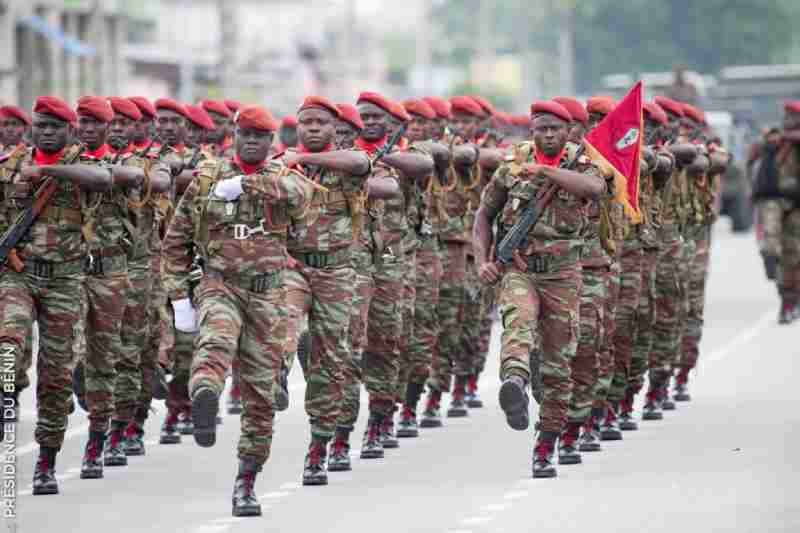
177, 147
370, 147
544, 159
143, 143
97, 153
41, 157
248, 168
303, 150
128, 149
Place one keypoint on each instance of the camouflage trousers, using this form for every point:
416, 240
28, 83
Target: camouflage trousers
149, 356
351, 402
546, 307
667, 309
789, 264
626, 317
409, 304
326, 296
106, 296
605, 358
684, 279
698, 273
175, 352
384, 327
585, 366
477, 324
450, 312
135, 335
22, 379
52, 301
645, 321
425, 337
237, 324
770, 218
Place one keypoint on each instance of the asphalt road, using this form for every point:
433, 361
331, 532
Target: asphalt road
722, 463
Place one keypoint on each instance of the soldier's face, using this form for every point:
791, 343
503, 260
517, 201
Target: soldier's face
550, 134
651, 131
288, 135
91, 131
49, 134
316, 128
376, 122
435, 128
464, 125
417, 129
12, 130
141, 129
195, 135
252, 145
220, 131
791, 120
171, 127
576, 132
120, 130
346, 134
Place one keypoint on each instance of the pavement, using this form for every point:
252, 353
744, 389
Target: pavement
721, 463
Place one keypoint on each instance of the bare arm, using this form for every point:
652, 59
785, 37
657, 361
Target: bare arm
718, 162
698, 167
382, 185
792, 136
684, 153
579, 184
482, 234
94, 178
183, 180
465, 155
414, 165
491, 158
348, 161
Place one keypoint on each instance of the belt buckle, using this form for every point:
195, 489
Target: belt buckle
537, 264
241, 232
93, 266
42, 269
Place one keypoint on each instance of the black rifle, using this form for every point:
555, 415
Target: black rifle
390, 144
518, 233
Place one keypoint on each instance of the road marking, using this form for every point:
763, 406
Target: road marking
274, 495
515, 495
213, 528
291, 485
746, 336
476, 520
496, 507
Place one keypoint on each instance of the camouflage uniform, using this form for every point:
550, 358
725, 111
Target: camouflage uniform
51, 283
240, 299
788, 278
543, 301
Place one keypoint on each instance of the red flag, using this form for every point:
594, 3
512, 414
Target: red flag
615, 145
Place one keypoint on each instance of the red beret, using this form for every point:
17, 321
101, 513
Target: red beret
172, 105
669, 105
199, 117
521, 120
377, 99
15, 112
502, 117
486, 105
551, 108
124, 106
439, 105
791, 106
465, 104
399, 112
216, 106
289, 121
600, 104
655, 113
349, 113
57, 107
693, 113
95, 106
420, 108
319, 102
575, 108
144, 105
233, 105
256, 117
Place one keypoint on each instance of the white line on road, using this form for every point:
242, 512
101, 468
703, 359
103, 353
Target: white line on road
766, 320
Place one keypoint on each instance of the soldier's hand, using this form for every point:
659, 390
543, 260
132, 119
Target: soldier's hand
185, 316
489, 272
531, 170
229, 189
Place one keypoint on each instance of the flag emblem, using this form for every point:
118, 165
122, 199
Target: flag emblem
629, 139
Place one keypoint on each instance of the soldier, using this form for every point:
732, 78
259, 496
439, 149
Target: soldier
15, 125
220, 141
322, 284
198, 127
236, 214
769, 205
287, 134
233, 105
540, 290
144, 127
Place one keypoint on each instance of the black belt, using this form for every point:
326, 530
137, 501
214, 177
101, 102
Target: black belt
259, 283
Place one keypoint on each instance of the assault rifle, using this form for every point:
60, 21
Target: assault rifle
518, 233
390, 144
19, 229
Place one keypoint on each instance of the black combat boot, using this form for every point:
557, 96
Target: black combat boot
44, 475
244, 498
388, 438
169, 430
92, 467
372, 448
340, 452
626, 419
609, 428
114, 453
568, 453
681, 390
473, 399
432, 416
407, 427
590, 436
315, 471
652, 406
543, 451
205, 405
458, 405
282, 392
514, 402
667, 403
134, 440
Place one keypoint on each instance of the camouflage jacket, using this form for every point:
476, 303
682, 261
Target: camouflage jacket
237, 239
457, 197
9, 169
561, 229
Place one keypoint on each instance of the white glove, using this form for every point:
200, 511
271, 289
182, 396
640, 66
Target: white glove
229, 189
185, 316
